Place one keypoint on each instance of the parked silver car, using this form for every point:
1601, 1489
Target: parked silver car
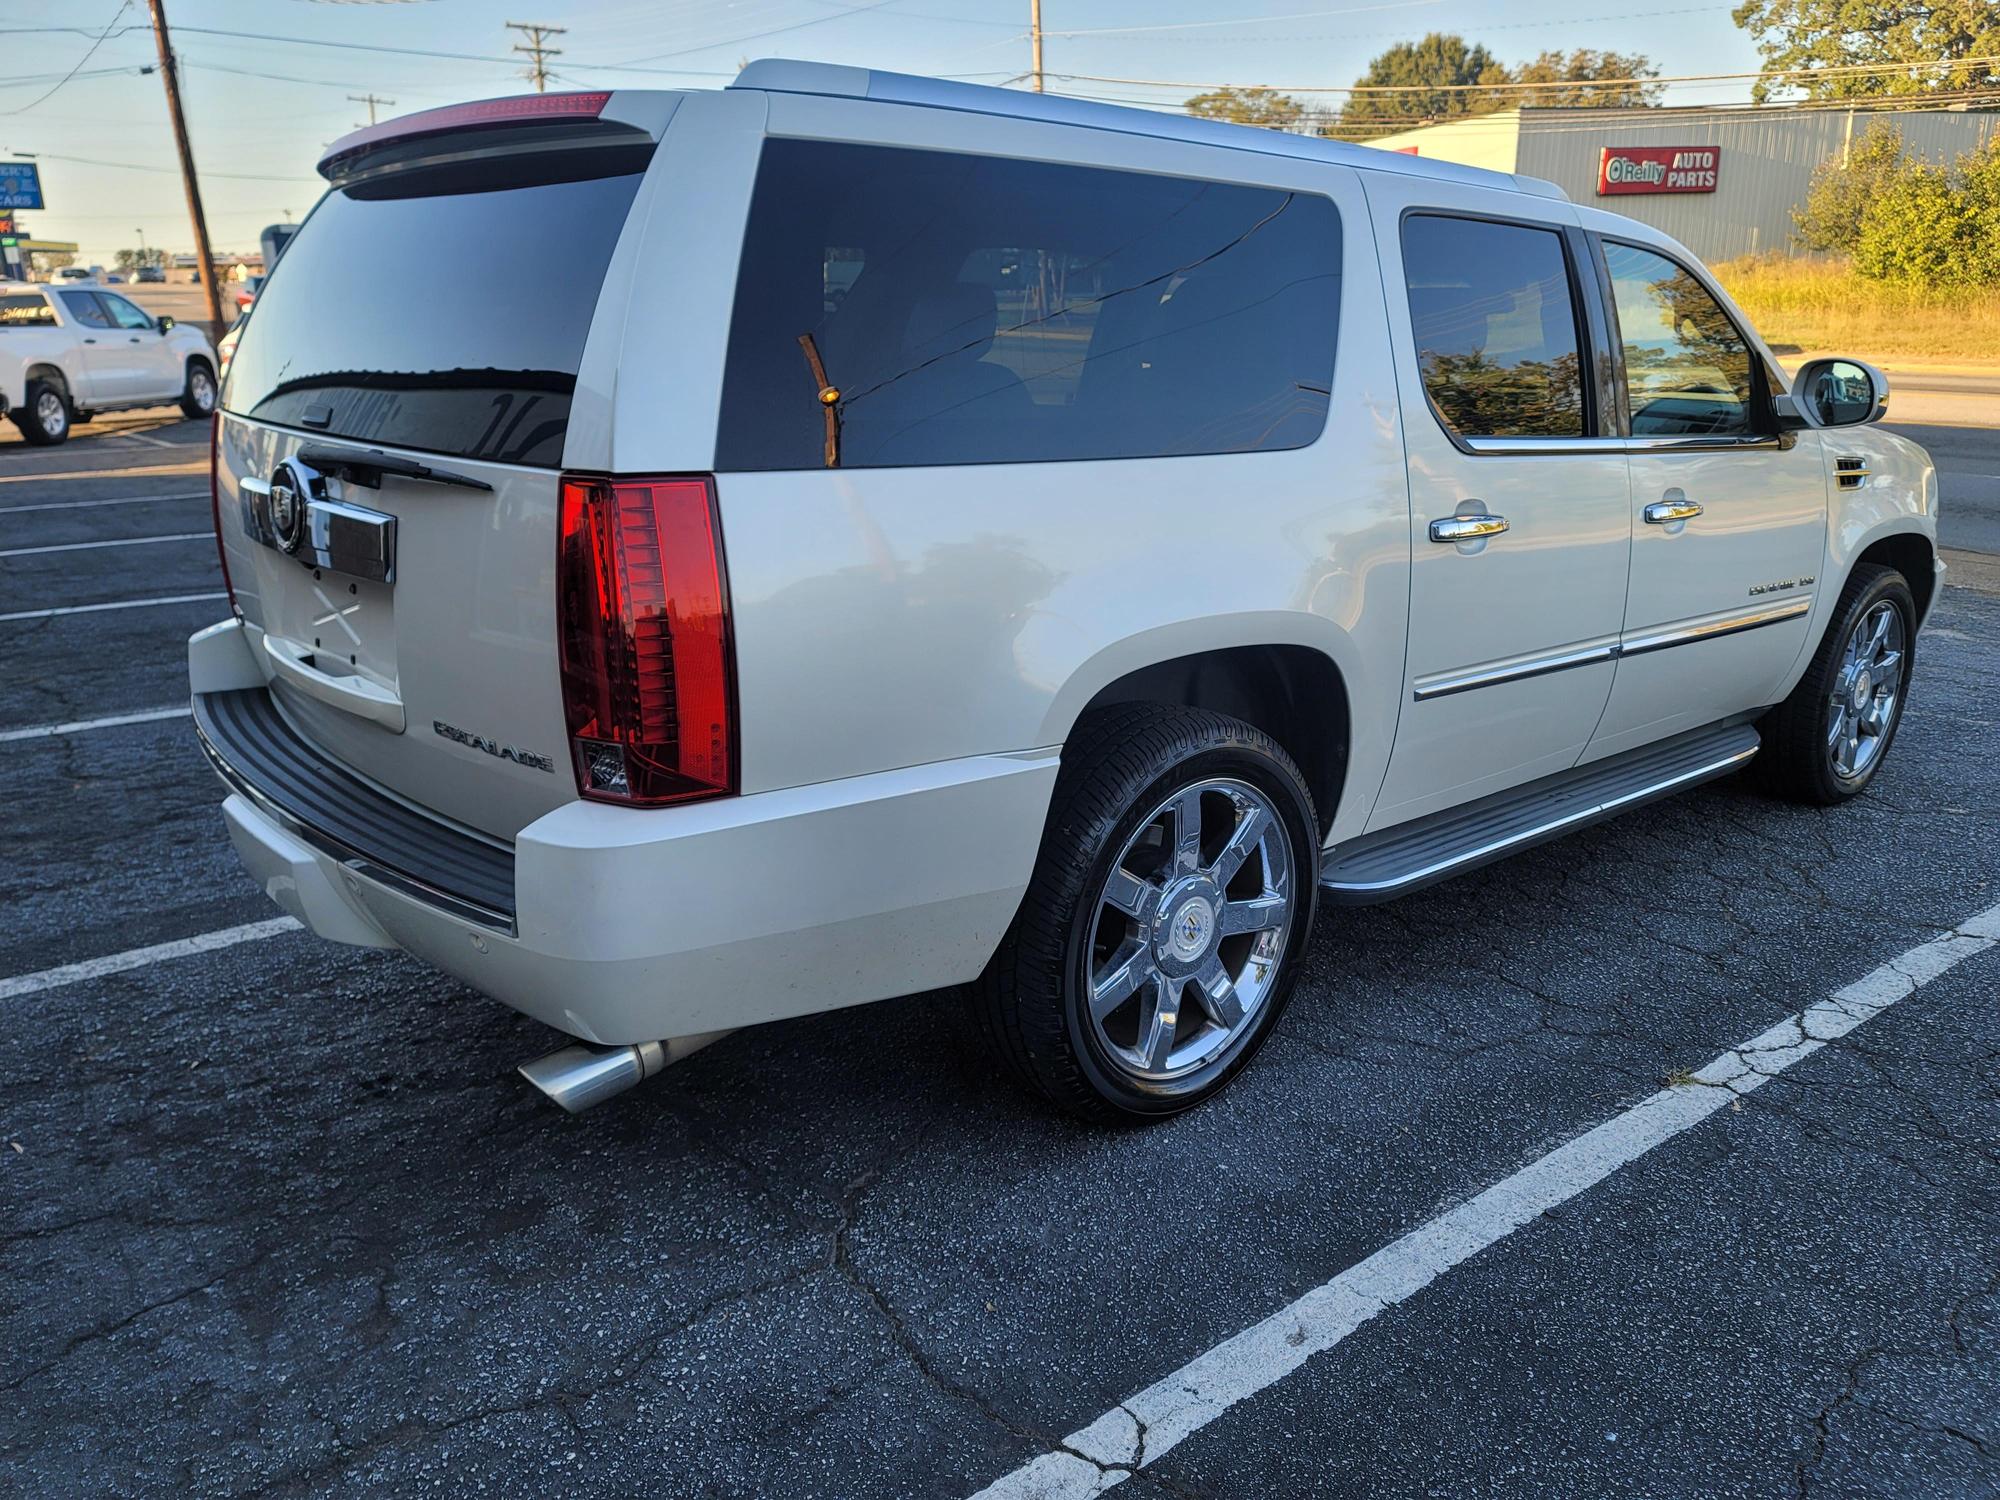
933, 535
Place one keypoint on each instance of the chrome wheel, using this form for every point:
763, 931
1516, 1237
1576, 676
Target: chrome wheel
1867, 692
50, 413
201, 386
1187, 933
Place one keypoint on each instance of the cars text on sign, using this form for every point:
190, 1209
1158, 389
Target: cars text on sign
1657, 169
20, 185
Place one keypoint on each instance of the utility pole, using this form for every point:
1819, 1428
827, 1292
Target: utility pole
538, 54
1035, 41
371, 100
204, 257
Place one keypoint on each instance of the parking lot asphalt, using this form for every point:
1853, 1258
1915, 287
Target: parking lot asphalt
278, 1217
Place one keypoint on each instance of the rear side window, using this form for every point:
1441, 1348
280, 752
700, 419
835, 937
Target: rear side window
1687, 369
1495, 326
26, 312
444, 309
900, 307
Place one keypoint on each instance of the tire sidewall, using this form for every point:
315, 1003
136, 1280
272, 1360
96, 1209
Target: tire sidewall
1892, 587
199, 369
1122, 1092
28, 417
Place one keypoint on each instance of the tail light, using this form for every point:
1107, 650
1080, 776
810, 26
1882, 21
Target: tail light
643, 621
215, 506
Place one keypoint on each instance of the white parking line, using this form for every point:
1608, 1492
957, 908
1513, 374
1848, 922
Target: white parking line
152, 442
192, 467
138, 958
91, 609
1153, 1421
76, 726
15, 510
128, 541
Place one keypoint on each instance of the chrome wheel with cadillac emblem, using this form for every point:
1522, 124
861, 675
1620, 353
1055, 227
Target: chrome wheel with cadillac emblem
1867, 692
1188, 931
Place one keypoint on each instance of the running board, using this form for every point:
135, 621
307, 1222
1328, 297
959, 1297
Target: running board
1381, 866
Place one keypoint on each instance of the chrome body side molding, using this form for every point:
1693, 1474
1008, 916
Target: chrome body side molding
1588, 653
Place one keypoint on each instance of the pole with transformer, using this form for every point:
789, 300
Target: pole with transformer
204, 256
1035, 42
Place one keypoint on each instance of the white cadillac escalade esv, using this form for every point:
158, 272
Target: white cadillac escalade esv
850, 534
70, 352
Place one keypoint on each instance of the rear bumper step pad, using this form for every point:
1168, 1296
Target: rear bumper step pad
256, 751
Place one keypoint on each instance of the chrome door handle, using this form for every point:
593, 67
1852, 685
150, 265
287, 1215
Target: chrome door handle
1467, 528
1661, 512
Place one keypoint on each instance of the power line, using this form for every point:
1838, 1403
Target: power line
537, 50
1848, 69
89, 52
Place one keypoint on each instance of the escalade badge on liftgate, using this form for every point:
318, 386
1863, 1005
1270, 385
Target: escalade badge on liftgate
492, 747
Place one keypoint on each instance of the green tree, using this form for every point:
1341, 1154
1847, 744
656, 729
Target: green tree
1249, 106
1935, 227
1841, 192
1601, 79
1927, 41
1428, 78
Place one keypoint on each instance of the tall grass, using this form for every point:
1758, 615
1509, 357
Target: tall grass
1802, 304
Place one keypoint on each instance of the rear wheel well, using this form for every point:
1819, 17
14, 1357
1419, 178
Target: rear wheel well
49, 374
1293, 693
1910, 555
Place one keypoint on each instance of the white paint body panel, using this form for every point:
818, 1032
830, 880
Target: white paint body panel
913, 645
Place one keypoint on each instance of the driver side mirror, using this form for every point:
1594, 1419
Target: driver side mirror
164, 323
1836, 393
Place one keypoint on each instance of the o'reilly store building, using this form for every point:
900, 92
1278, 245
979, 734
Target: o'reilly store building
1724, 182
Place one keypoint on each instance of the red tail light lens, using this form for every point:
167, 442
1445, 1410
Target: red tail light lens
643, 621
518, 109
215, 506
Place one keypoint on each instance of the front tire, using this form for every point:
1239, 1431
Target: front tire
1825, 742
44, 417
198, 396
1161, 934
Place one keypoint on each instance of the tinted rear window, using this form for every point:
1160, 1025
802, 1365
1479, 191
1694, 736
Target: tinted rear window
31, 311
901, 307
439, 312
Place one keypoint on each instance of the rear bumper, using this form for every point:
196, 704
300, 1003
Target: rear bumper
629, 926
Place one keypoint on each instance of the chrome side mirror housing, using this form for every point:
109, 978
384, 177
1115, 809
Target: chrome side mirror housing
1835, 392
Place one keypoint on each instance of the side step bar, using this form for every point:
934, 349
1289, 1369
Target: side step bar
1381, 866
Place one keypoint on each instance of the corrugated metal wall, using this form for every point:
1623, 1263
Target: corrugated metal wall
1766, 166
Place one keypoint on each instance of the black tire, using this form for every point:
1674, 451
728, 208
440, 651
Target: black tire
1797, 762
198, 394
44, 428
1119, 765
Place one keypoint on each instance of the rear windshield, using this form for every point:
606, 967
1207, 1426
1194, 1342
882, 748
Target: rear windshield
441, 310
32, 311
901, 307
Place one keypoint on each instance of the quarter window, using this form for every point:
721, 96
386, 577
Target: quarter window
1495, 326
899, 307
1687, 369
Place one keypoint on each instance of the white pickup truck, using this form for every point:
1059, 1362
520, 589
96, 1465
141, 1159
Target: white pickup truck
68, 353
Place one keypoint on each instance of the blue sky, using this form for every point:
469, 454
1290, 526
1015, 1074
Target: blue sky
260, 111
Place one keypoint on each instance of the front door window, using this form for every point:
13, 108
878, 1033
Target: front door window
1687, 369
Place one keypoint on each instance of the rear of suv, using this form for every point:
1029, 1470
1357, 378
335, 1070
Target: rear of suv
843, 535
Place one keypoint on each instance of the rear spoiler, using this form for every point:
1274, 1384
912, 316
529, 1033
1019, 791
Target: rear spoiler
524, 121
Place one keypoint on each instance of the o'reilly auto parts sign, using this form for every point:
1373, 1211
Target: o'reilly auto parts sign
1656, 169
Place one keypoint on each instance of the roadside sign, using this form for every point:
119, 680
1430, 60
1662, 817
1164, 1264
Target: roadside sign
20, 185
1657, 169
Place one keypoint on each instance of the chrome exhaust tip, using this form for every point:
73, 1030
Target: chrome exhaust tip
582, 1075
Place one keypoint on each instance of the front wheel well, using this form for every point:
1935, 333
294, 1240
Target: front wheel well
1293, 693
1911, 555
